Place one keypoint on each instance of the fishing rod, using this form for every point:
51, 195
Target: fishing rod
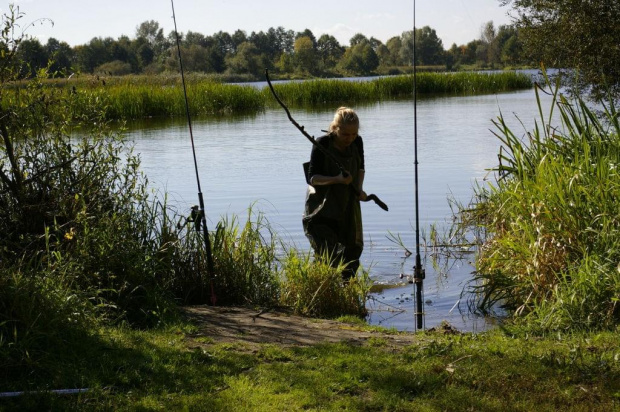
419, 273
199, 217
372, 197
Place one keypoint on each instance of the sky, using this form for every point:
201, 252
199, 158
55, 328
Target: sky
78, 21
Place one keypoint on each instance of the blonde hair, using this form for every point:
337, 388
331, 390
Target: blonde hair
343, 116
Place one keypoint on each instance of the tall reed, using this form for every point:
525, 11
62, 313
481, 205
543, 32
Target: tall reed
137, 97
552, 250
322, 91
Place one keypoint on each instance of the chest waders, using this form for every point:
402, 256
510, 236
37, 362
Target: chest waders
336, 232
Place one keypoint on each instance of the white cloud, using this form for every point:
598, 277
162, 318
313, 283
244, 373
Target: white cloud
340, 31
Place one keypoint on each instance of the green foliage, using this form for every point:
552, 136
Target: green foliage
551, 220
573, 35
315, 288
245, 262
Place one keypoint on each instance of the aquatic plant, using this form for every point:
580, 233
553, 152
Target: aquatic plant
389, 87
136, 97
552, 242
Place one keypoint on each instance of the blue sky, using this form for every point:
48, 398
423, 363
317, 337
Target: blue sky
78, 21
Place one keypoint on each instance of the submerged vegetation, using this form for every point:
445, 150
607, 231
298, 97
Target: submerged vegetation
551, 249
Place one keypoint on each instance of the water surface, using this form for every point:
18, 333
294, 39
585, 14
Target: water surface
258, 160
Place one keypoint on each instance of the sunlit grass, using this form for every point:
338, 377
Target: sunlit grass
169, 369
383, 88
551, 219
138, 97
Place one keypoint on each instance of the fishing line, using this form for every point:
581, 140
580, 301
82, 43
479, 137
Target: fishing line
419, 272
200, 218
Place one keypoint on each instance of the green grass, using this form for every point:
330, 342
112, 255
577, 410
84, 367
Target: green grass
552, 242
166, 369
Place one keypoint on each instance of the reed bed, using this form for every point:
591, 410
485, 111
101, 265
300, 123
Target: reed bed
552, 250
322, 91
136, 101
137, 97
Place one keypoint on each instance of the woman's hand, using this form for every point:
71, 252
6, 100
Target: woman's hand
362, 196
344, 180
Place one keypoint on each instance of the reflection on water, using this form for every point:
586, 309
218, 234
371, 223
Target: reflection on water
257, 159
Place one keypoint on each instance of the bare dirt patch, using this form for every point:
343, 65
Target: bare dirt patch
251, 327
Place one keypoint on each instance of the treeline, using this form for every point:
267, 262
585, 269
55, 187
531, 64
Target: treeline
284, 52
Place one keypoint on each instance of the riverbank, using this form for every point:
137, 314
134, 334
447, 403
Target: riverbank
233, 358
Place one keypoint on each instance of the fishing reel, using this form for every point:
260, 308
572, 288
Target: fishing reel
195, 217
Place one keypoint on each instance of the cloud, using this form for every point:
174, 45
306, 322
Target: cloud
340, 31
375, 17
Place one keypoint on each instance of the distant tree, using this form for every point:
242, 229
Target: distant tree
31, 56
359, 59
245, 61
357, 39
573, 34
239, 37
487, 32
511, 50
329, 51
305, 55
286, 39
152, 34
429, 47
502, 54
268, 45
394, 45
61, 54
224, 42
307, 33
150, 31
194, 38
94, 53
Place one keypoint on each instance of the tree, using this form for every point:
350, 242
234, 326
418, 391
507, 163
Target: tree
94, 53
429, 47
61, 54
357, 39
305, 54
32, 57
394, 45
359, 59
307, 33
329, 51
246, 60
573, 34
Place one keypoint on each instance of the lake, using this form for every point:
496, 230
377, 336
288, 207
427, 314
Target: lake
257, 160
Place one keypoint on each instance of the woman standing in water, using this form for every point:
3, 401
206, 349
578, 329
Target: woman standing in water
332, 218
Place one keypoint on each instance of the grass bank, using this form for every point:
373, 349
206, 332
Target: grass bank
137, 97
180, 368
